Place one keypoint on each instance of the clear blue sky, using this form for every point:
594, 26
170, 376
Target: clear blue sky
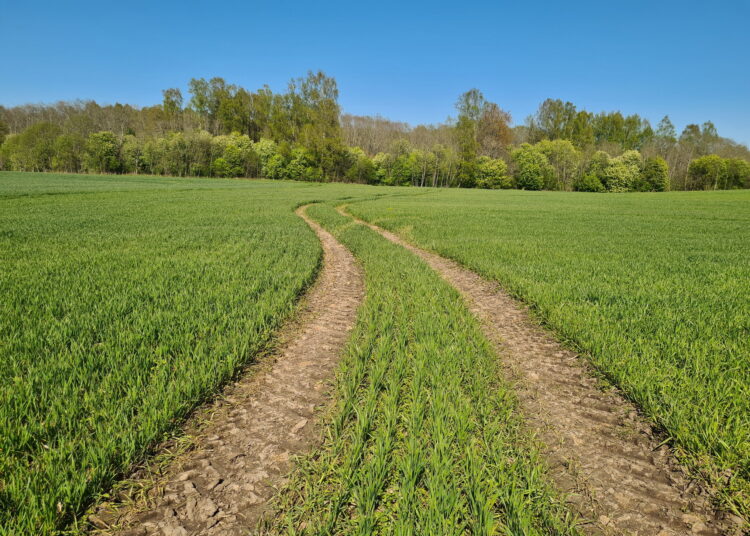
404, 60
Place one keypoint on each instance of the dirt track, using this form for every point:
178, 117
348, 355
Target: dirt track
223, 487
601, 453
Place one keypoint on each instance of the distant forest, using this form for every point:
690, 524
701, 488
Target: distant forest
224, 130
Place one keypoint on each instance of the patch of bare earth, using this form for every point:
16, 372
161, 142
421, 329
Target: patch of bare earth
243, 454
602, 454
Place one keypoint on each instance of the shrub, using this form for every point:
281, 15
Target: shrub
492, 173
622, 174
706, 172
588, 183
532, 170
275, 167
655, 175
737, 174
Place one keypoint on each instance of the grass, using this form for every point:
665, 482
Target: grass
124, 303
653, 288
425, 438
127, 301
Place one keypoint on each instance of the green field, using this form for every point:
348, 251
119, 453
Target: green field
127, 301
425, 438
654, 289
124, 302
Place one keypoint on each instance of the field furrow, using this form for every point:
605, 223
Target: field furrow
425, 437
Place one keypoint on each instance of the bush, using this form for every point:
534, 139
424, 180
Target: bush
737, 174
623, 173
655, 175
221, 168
532, 170
301, 166
588, 183
598, 163
265, 149
275, 168
492, 173
706, 173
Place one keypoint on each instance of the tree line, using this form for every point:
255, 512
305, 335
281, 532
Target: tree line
224, 130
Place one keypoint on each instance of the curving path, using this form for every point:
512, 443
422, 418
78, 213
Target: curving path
601, 453
223, 487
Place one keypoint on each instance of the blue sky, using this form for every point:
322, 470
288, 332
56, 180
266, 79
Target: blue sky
404, 60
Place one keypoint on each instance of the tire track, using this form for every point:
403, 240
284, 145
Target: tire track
601, 453
222, 488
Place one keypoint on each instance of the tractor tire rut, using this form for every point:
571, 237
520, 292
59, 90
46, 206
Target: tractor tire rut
603, 456
222, 488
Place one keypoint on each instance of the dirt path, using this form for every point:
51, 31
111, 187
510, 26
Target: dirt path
600, 451
223, 486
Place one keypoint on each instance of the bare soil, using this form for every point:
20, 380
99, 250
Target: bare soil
602, 454
245, 449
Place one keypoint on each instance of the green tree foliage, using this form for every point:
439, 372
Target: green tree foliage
532, 169
470, 107
102, 153
228, 131
33, 149
588, 183
665, 136
556, 119
482, 128
172, 101
266, 149
206, 99
131, 153
492, 173
8, 151
314, 114
68, 152
564, 158
706, 172
655, 175
234, 156
700, 140
4, 130
363, 169
738, 174
398, 167
623, 172
598, 163
582, 130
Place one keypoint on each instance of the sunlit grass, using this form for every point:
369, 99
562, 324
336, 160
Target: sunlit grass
120, 311
425, 438
654, 288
